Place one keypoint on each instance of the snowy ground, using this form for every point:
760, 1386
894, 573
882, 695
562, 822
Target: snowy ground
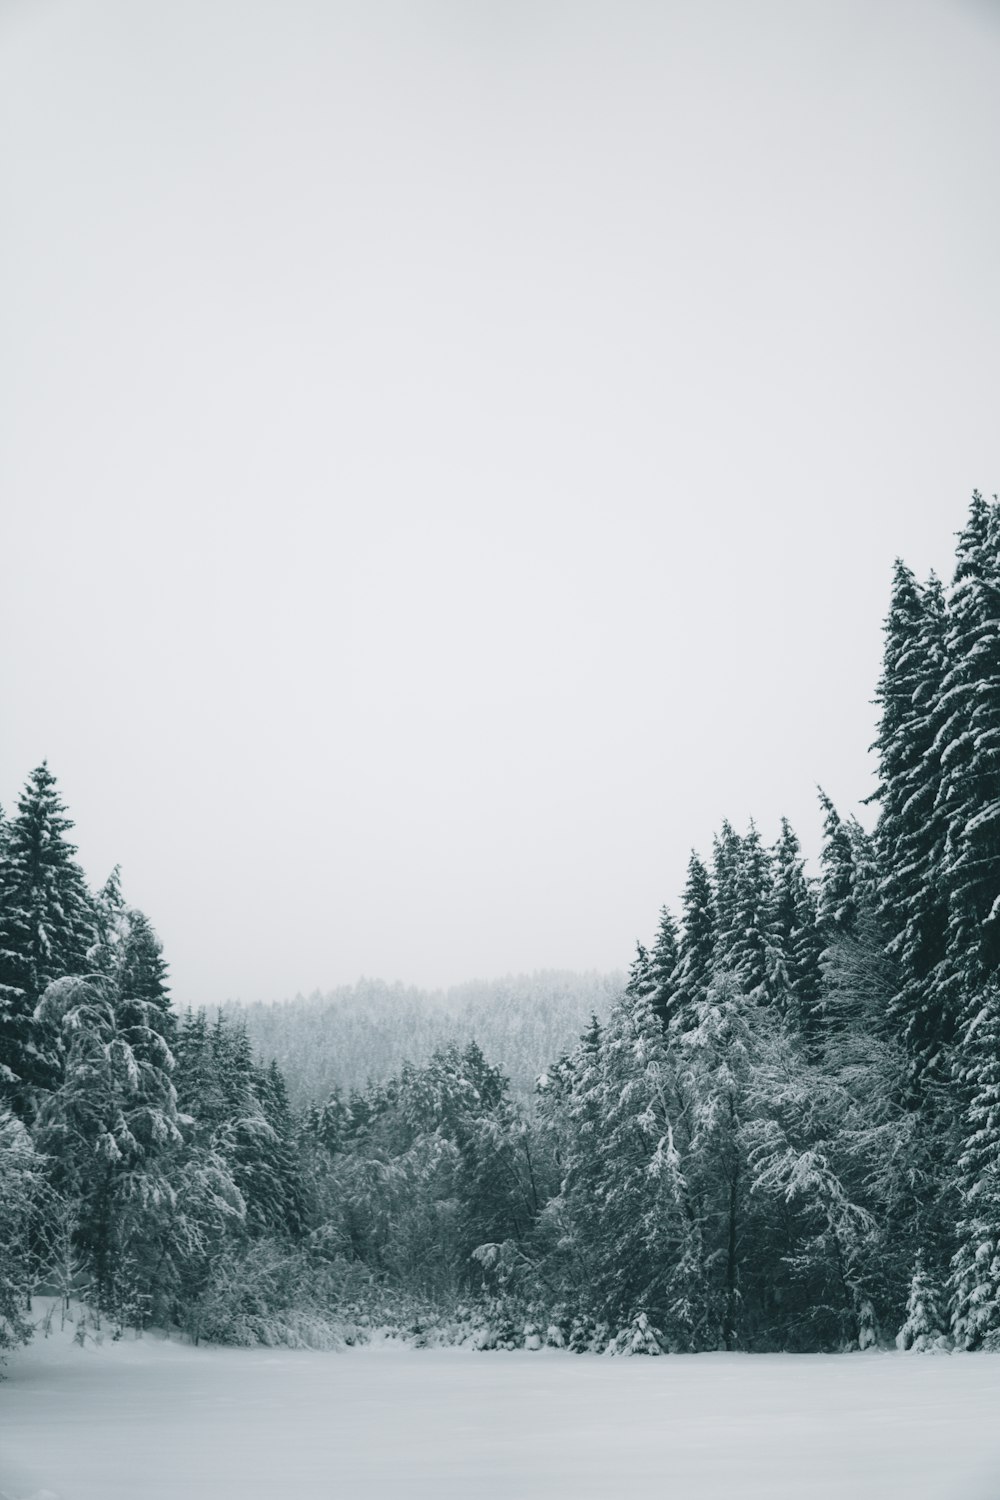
156, 1420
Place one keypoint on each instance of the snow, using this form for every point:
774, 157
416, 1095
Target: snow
152, 1419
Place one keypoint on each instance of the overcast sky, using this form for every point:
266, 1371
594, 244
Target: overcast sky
453, 453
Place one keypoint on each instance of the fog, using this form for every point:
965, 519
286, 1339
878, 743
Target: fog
453, 455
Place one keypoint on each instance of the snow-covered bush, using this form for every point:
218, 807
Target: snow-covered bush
924, 1329
20, 1184
638, 1337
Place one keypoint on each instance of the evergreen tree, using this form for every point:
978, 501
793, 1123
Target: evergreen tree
924, 1327
752, 953
288, 1213
975, 1278
640, 974
129, 953
21, 1183
110, 1127
795, 978
838, 899
911, 899
968, 740
725, 871
696, 947
622, 1232
47, 927
662, 968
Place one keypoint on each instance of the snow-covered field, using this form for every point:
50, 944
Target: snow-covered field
157, 1420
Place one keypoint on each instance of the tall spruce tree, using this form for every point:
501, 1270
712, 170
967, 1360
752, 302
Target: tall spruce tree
725, 872
911, 901
752, 951
696, 946
968, 740
47, 927
109, 1128
640, 973
796, 978
838, 898
975, 1279
662, 968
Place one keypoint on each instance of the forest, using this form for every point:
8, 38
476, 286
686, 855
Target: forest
781, 1133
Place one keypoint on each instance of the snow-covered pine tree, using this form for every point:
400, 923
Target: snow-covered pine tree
289, 1215
640, 974
244, 1136
968, 740
21, 1183
796, 979
129, 953
975, 1270
913, 665
752, 947
838, 898
725, 868
696, 946
622, 1230
47, 926
719, 1060
925, 1327
663, 966
910, 897
110, 1128
142, 976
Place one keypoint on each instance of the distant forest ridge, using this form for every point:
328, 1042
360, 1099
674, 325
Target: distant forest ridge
362, 1033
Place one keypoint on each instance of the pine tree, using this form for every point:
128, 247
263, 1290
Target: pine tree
21, 1183
725, 870
975, 1273
968, 740
129, 953
47, 927
923, 1330
796, 978
141, 981
662, 968
752, 952
838, 900
626, 1235
696, 947
288, 1211
640, 976
109, 1127
911, 900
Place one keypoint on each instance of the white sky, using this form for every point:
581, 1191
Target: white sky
452, 453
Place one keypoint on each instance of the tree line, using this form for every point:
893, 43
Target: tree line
783, 1133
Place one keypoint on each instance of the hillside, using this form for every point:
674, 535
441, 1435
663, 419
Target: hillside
356, 1033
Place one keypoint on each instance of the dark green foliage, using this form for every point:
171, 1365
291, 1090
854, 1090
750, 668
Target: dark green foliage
912, 901
751, 954
21, 1187
725, 871
663, 968
640, 974
838, 898
47, 926
968, 741
796, 979
110, 1128
975, 1279
696, 947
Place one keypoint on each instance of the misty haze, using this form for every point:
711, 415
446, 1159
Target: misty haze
500, 830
